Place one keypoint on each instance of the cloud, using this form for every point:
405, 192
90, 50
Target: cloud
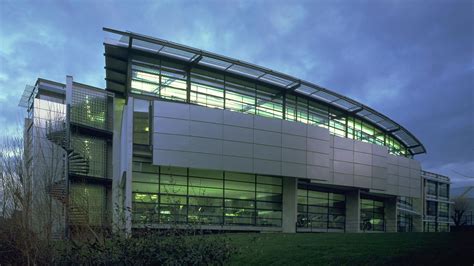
410, 61
286, 17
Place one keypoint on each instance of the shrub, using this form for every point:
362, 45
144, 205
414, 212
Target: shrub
149, 248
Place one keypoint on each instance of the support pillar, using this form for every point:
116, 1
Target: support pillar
122, 166
353, 211
290, 189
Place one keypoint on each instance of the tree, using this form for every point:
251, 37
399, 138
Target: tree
460, 206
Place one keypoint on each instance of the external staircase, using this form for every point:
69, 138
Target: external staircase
77, 165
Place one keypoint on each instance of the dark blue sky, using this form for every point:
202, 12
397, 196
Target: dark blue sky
410, 60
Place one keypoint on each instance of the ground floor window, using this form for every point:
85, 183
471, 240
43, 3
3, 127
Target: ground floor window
443, 227
430, 227
436, 226
320, 210
372, 215
404, 222
182, 195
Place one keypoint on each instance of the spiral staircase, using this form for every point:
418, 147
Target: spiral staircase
78, 164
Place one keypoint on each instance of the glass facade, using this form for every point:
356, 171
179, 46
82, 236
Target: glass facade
405, 202
94, 151
372, 216
320, 210
443, 210
180, 195
405, 214
141, 122
434, 226
89, 108
430, 226
431, 188
443, 190
404, 222
431, 208
169, 80
88, 204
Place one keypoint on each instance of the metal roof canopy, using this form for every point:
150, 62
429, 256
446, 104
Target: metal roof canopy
188, 54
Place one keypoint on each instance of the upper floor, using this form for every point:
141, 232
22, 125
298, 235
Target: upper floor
152, 68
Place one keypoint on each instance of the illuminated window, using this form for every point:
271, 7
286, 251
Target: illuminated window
372, 215
181, 195
320, 210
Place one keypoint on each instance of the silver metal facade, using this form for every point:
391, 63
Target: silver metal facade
199, 137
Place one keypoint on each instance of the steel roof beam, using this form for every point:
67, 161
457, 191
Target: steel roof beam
296, 86
115, 70
116, 58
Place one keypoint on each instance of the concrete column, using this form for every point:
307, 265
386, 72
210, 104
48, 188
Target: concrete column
126, 162
353, 211
290, 189
390, 210
117, 195
122, 166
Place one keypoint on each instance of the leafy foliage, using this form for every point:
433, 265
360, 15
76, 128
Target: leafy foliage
149, 248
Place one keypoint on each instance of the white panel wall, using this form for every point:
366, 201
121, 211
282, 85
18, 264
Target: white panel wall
194, 136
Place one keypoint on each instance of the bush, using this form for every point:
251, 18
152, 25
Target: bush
149, 248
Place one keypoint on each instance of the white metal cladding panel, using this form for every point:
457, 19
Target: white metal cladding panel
293, 169
362, 181
208, 130
293, 128
293, 142
201, 137
241, 134
362, 158
240, 149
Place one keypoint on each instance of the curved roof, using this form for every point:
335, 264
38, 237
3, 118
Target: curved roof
116, 78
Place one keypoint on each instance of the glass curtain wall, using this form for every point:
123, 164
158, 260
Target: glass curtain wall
443, 211
443, 190
321, 210
89, 204
432, 188
93, 150
404, 222
141, 124
171, 195
436, 226
430, 226
89, 107
372, 216
169, 80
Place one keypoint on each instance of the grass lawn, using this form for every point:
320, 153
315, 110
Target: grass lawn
354, 249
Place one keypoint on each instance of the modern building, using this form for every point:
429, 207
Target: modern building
181, 136
436, 213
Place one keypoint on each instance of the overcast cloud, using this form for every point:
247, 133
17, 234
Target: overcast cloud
410, 60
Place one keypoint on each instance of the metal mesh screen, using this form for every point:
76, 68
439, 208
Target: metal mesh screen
89, 107
94, 151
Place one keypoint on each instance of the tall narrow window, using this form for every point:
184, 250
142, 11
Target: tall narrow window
141, 122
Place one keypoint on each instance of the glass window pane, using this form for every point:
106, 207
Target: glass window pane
205, 201
173, 179
173, 189
207, 192
239, 185
239, 194
240, 177
269, 180
204, 182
